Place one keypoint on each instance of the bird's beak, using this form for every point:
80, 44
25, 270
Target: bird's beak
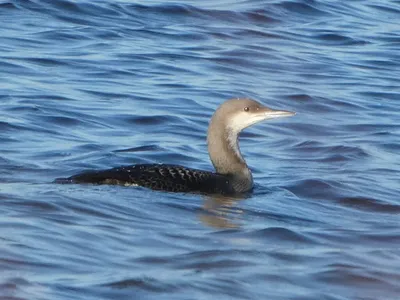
272, 114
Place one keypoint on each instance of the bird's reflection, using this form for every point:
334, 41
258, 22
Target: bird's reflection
221, 211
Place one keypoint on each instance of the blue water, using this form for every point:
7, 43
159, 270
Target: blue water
97, 84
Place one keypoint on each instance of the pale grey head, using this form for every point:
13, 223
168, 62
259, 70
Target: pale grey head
228, 121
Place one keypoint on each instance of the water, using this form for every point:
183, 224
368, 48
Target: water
97, 84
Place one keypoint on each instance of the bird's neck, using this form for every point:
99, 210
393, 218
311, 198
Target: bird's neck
224, 151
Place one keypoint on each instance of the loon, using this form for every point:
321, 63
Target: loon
232, 175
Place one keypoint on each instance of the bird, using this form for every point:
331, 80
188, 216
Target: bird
232, 175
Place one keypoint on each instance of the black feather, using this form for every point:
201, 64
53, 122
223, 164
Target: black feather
170, 178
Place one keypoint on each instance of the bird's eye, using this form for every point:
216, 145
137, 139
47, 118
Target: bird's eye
246, 108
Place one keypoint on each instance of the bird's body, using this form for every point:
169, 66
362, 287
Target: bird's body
232, 174
170, 178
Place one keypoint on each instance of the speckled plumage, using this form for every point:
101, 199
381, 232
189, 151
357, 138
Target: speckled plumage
171, 178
